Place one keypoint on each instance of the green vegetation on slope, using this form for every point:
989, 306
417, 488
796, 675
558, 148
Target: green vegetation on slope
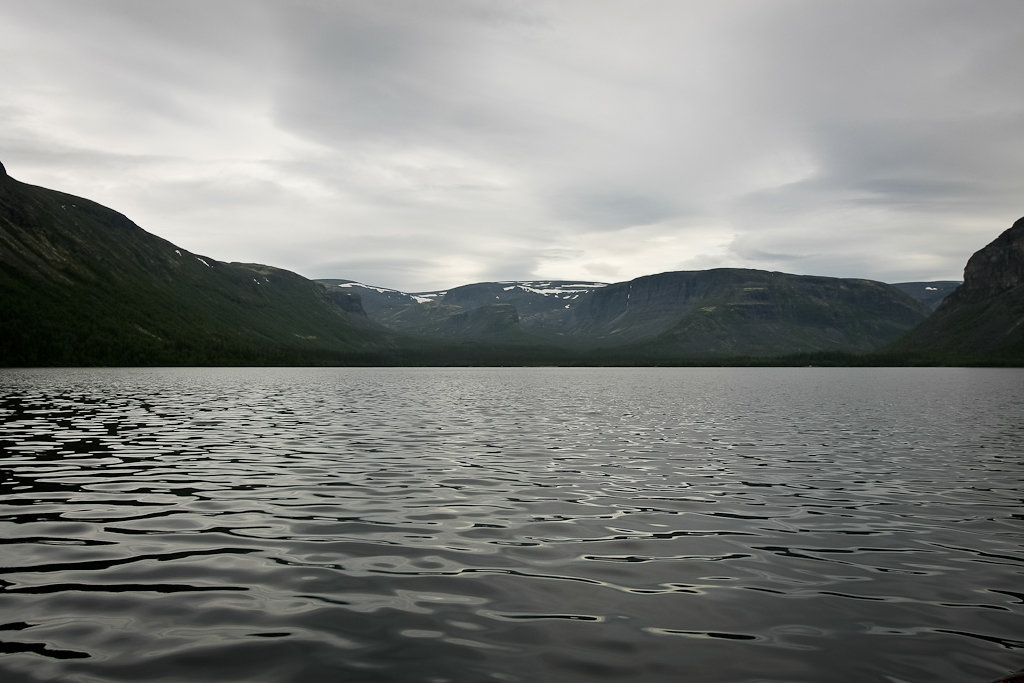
81, 284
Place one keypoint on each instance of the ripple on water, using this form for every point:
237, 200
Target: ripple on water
511, 524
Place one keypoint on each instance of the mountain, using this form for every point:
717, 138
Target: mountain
375, 301
82, 284
719, 312
930, 293
982, 321
730, 311
518, 311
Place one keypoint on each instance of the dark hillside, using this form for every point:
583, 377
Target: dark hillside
728, 311
82, 284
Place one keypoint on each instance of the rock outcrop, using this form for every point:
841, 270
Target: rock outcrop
982, 321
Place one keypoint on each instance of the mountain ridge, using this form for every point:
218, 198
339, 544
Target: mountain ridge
707, 312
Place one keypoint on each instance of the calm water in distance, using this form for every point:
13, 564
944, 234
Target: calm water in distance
550, 525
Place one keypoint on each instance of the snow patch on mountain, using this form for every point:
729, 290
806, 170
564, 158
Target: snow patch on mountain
561, 290
427, 297
382, 290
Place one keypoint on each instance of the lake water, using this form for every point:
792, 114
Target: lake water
549, 525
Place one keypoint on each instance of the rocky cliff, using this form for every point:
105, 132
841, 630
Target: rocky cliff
982, 321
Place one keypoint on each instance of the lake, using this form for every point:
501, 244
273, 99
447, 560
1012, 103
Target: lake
511, 524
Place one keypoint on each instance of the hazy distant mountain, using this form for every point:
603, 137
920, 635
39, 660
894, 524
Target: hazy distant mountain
930, 293
374, 301
82, 284
516, 311
723, 311
983, 320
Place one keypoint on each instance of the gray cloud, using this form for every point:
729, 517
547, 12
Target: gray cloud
423, 145
613, 208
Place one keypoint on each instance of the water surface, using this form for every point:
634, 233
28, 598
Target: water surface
718, 524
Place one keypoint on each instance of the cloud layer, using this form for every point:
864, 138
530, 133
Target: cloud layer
423, 145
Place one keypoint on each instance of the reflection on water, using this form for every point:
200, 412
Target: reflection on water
511, 525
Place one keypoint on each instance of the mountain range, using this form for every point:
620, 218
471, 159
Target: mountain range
80, 284
719, 312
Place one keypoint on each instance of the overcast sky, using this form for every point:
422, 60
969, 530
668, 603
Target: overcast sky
422, 144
